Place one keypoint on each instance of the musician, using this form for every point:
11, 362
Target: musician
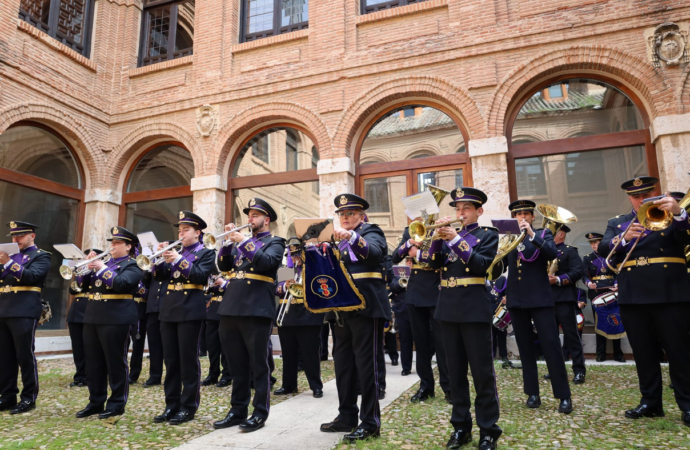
402, 323
213, 344
426, 331
465, 315
529, 298
157, 290
564, 292
247, 312
75, 324
499, 337
22, 277
654, 305
181, 315
600, 279
138, 332
110, 314
299, 336
363, 247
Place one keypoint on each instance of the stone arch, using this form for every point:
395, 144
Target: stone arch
425, 87
239, 126
140, 139
86, 148
651, 86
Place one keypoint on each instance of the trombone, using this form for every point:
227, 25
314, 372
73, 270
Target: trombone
210, 240
82, 269
147, 262
295, 290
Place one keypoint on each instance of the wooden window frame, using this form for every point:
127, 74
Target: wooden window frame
605, 141
170, 55
277, 28
385, 5
51, 28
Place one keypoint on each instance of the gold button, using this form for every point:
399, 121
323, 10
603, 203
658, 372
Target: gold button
519, 271
467, 269
444, 269
185, 293
415, 272
665, 266
662, 233
249, 282
519, 278
628, 269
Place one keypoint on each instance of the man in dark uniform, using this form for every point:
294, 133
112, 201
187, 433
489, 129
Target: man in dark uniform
600, 279
75, 323
247, 312
499, 337
363, 248
110, 314
182, 312
138, 333
529, 298
299, 337
465, 314
402, 323
426, 331
564, 293
653, 296
22, 277
157, 290
213, 343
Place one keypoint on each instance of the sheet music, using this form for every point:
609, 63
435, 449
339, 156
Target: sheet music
506, 225
11, 248
148, 242
422, 201
69, 251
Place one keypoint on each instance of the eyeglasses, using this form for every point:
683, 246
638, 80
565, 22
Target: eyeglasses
347, 213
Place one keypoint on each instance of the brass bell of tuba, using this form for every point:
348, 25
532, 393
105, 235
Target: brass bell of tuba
555, 217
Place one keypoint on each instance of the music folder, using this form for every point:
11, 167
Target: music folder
506, 226
402, 271
148, 242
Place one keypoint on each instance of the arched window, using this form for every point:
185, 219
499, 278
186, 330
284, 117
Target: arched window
278, 164
41, 183
573, 141
157, 189
403, 150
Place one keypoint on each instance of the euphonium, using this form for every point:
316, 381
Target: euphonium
506, 244
555, 217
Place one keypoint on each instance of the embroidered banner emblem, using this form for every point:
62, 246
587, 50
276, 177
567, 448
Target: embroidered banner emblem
324, 286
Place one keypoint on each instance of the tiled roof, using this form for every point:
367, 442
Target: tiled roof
394, 124
576, 101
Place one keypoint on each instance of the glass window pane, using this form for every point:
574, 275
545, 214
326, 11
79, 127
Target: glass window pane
294, 11
276, 150
446, 179
71, 19
259, 16
157, 216
184, 33
574, 108
57, 218
289, 201
158, 31
163, 167
385, 207
411, 132
38, 9
39, 153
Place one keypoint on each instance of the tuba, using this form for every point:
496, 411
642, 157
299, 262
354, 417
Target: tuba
555, 217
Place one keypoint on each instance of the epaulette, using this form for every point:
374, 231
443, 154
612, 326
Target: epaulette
44, 251
612, 218
589, 253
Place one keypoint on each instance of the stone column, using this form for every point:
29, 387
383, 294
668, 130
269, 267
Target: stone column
102, 213
209, 201
336, 176
671, 136
490, 174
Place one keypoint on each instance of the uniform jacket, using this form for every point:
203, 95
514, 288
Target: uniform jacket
259, 255
78, 306
28, 268
598, 273
179, 303
213, 299
157, 291
297, 315
469, 257
498, 291
570, 271
422, 281
140, 299
528, 284
121, 277
649, 282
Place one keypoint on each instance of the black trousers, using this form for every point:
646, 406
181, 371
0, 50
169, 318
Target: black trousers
153, 331
566, 318
76, 335
427, 337
499, 338
17, 352
390, 341
355, 356
380, 355
648, 327
325, 328
547, 330
470, 343
106, 348
138, 343
601, 347
404, 331
246, 345
182, 368
304, 342
215, 352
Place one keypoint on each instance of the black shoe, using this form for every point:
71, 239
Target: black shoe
360, 434
8, 404
273, 380
208, 381
394, 362
670, 386
566, 406
89, 411
324, 358
181, 417
579, 378
109, 414
283, 391
231, 419
224, 382
151, 382
547, 376
644, 411
620, 360
166, 416
421, 396
459, 439
601, 358
405, 372
23, 406
382, 393
449, 399
487, 443
533, 401
252, 424
336, 427
77, 384
507, 364
685, 417
318, 393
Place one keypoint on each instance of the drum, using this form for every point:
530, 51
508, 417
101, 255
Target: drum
605, 299
501, 318
580, 321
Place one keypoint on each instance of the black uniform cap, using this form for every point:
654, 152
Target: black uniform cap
18, 228
189, 218
343, 202
123, 234
261, 205
522, 205
639, 185
594, 236
468, 194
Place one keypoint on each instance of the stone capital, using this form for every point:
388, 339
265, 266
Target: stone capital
335, 165
488, 146
209, 182
671, 124
103, 195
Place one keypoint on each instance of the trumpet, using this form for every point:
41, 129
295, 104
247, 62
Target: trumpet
295, 290
419, 230
403, 282
82, 269
147, 262
210, 240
